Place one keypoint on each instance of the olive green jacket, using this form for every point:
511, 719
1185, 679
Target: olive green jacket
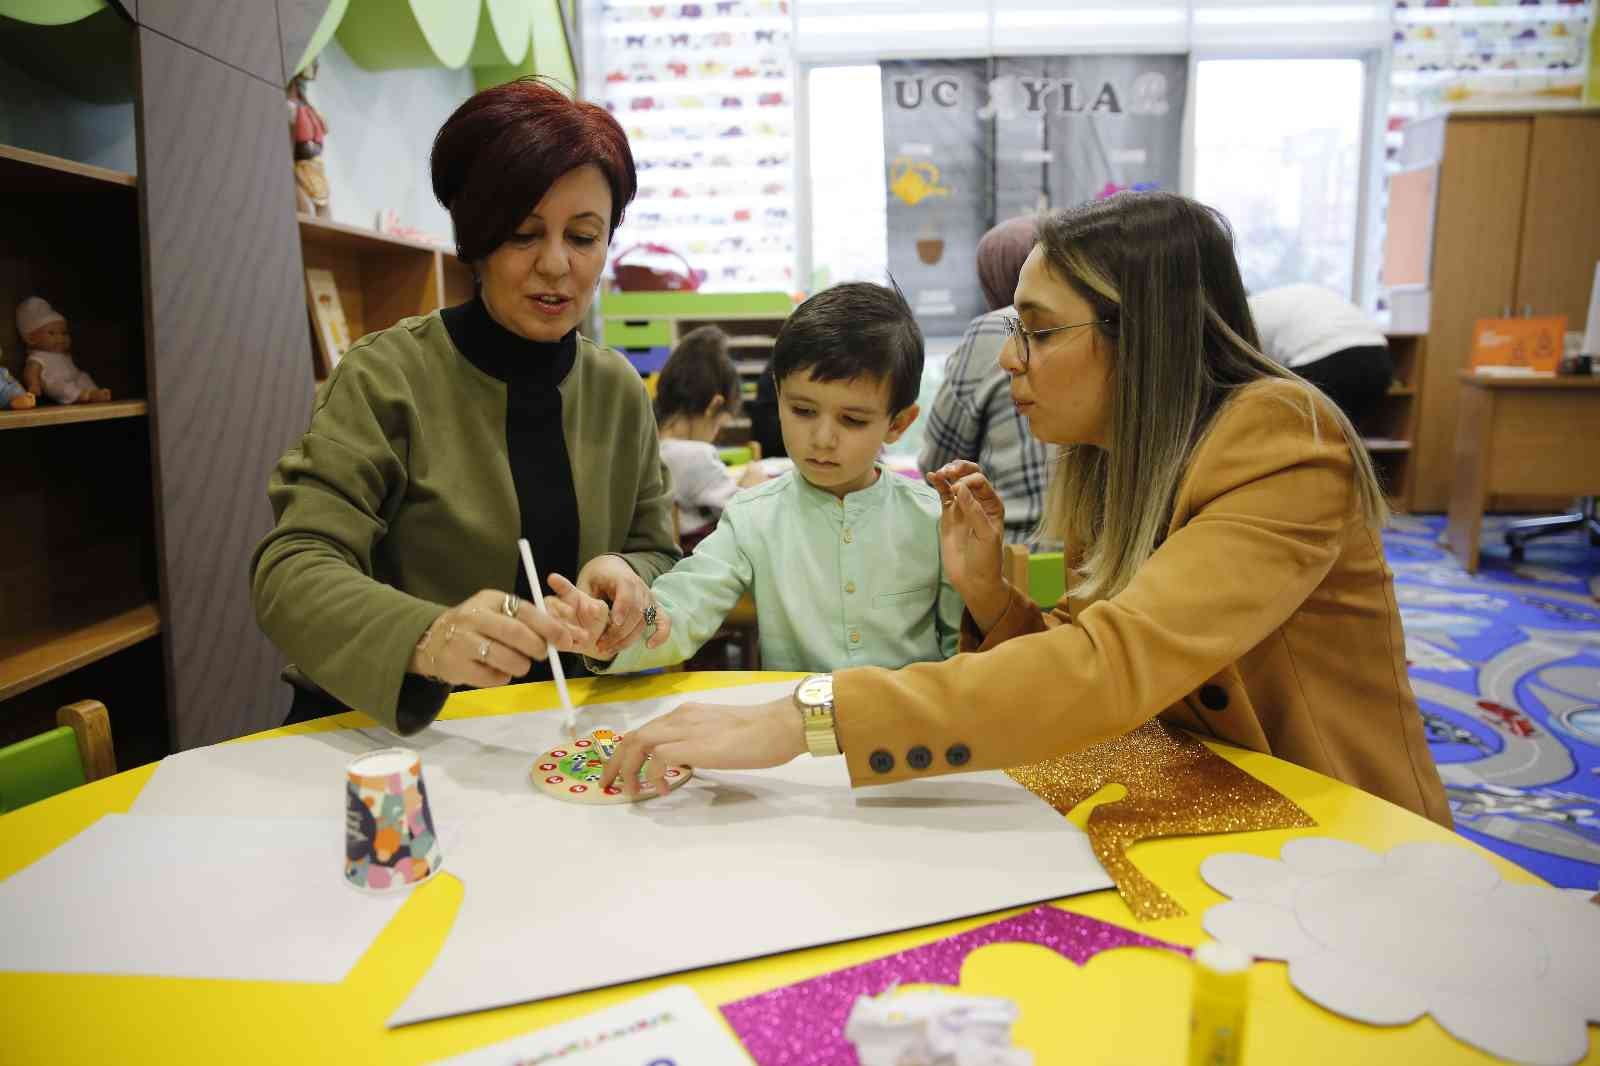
399, 502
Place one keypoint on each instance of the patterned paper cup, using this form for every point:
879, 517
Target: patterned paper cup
389, 842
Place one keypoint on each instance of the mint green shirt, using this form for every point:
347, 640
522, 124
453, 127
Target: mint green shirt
837, 583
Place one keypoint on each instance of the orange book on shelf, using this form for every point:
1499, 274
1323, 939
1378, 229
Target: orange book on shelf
1529, 343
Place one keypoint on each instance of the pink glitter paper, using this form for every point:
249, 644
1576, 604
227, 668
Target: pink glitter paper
803, 1024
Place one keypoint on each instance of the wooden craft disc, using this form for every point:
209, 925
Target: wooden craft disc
571, 772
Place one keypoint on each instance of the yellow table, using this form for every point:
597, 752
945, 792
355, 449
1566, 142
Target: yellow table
1123, 1007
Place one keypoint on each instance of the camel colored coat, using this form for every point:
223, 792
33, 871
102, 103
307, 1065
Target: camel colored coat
1267, 619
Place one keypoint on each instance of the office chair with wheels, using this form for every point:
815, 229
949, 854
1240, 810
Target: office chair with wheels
1586, 517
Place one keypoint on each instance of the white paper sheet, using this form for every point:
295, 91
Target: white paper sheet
731, 866
666, 1028
1425, 928
251, 899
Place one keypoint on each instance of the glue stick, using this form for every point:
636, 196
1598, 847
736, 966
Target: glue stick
1217, 1005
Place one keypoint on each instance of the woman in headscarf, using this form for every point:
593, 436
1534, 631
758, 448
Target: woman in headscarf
972, 416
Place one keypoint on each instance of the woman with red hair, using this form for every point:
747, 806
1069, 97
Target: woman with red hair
393, 574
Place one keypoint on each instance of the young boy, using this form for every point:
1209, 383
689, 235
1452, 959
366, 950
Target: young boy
841, 555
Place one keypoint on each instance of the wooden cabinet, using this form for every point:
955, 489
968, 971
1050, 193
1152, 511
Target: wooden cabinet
1516, 226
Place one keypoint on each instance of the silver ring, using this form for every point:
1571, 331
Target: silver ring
650, 615
483, 652
511, 604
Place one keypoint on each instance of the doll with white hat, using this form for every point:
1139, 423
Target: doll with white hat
50, 367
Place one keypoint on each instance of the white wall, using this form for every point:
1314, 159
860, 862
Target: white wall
381, 127
42, 118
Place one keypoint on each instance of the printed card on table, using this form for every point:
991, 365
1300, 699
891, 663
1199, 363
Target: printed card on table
1527, 343
667, 1028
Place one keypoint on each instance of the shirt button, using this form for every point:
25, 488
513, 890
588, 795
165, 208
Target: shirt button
855, 636
881, 761
958, 755
919, 758
849, 538
850, 588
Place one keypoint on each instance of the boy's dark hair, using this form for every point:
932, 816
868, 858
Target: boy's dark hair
697, 372
854, 330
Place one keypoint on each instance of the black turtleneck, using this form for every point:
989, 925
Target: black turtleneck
541, 470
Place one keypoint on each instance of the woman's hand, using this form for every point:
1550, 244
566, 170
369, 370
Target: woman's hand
972, 539
610, 578
476, 643
708, 736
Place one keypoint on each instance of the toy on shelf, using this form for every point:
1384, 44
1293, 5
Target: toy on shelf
49, 367
13, 397
306, 130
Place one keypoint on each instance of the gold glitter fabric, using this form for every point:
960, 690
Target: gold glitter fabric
1176, 787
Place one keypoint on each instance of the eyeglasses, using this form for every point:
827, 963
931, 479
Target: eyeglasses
1014, 328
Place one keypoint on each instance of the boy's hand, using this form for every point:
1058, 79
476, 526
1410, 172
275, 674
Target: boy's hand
753, 475
972, 538
581, 612
610, 578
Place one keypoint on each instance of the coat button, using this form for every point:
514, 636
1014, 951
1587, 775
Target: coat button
958, 755
849, 588
1214, 697
881, 761
919, 758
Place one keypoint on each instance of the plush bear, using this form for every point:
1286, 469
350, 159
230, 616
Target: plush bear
50, 368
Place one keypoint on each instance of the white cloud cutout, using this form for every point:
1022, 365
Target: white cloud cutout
1424, 929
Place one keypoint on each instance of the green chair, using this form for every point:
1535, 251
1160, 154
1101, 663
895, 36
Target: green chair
1042, 575
77, 751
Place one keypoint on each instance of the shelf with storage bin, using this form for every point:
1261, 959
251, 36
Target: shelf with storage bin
645, 326
382, 278
78, 546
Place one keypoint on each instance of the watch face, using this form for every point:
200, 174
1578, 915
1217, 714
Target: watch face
815, 691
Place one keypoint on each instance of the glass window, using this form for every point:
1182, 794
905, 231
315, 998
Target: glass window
1277, 149
849, 197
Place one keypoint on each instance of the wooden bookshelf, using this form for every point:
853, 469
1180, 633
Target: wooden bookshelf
381, 279
29, 661
47, 414
1390, 432
78, 545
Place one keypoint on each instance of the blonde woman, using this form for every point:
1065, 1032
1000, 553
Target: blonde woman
1221, 519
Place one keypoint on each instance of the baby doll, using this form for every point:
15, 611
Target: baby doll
12, 394
50, 366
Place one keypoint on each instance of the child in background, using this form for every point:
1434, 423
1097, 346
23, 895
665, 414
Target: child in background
841, 554
696, 395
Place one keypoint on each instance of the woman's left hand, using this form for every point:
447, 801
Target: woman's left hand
708, 736
610, 578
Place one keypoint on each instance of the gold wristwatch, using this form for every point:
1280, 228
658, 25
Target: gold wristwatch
814, 697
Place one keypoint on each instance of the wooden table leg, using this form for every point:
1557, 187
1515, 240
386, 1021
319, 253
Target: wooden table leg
1468, 490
